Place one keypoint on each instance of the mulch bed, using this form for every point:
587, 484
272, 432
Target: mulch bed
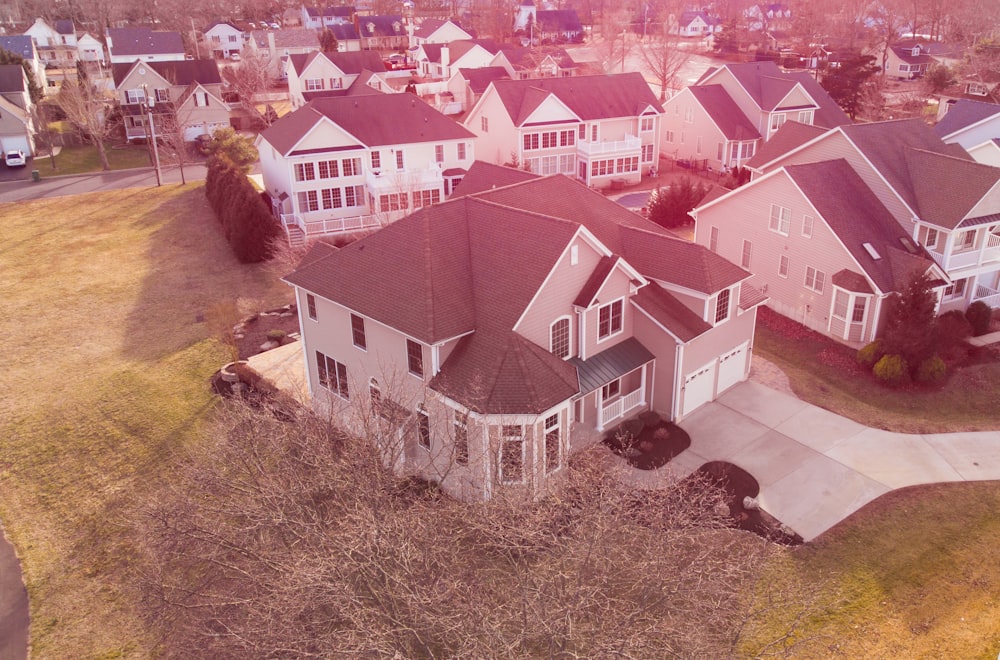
255, 329
647, 442
738, 485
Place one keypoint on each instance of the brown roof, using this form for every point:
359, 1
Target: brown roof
374, 120
669, 312
947, 189
791, 135
724, 112
348, 62
589, 97
483, 176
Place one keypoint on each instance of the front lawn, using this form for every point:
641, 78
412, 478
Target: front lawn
824, 372
106, 362
84, 159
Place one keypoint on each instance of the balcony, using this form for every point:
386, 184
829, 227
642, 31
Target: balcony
387, 180
987, 295
630, 146
323, 227
985, 254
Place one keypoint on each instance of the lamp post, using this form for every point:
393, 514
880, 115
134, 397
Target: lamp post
148, 106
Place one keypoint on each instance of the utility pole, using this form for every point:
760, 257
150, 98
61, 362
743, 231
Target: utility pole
152, 134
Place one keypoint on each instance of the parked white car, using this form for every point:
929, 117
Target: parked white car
14, 158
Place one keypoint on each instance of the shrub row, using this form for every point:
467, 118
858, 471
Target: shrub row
246, 220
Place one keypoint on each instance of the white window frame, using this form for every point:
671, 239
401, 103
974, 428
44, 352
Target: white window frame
807, 225
620, 303
548, 430
783, 266
723, 307
713, 239
815, 280
509, 435
423, 421
747, 254
569, 336
780, 220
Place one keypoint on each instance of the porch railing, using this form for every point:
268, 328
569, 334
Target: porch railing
331, 225
989, 296
629, 144
621, 406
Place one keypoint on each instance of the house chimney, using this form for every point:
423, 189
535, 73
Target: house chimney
445, 58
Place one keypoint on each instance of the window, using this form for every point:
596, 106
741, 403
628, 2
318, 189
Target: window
426, 198
201, 99
688, 115
399, 159
393, 202
328, 169
559, 338
777, 119
670, 136
332, 375
358, 332
461, 445
304, 172
314, 84
955, 290
567, 138
858, 315
746, 151
647, 153
351, 166
423, 427
548, 165
805, 116
928, 237
530, 141
567, 163
553, 446
484, 124
438, 154
582, 132
747, 252
375, 395
840, 302
611, 390
550, 139
713, 239
311, 305
336, 83
162, 95
414, 358
783, 266
593, 133
646, 124
815, 279
332, 198
376, 160
135, 96
781, 219
461, 150
807, 226
308, 201
967, 239
354, 195
722, 306
511, 454
609, 319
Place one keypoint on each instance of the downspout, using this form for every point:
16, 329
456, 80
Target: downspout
678, 374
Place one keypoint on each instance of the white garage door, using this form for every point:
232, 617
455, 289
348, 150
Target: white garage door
699, 386
12, 142
732, 367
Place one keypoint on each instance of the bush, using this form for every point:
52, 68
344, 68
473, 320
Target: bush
931, 370
276, 335
246, 220
952, 329
669, 206
979, 316
870, 354
891, 370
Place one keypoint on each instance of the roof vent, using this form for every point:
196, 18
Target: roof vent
872, 252
908, 244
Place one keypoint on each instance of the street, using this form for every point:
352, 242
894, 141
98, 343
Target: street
56, 186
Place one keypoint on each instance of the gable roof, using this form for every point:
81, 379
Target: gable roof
287, 38
381, 26
12, 78
458, 48
64, 26
480, 79
670, 312
791, 135
223, 24
143, 41
430, 25
687, 17
352, 62
828, 114
343, 31
964, 114
724, 112
19, 44
588, 97
374, 120
558, 20
484, 176
853, 212
946, 189
179, 72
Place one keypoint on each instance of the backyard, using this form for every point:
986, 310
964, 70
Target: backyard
107, 301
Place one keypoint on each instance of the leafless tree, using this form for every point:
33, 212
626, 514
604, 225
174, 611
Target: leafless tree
248, 79
86, 106
664, 59
170, 129
293, 538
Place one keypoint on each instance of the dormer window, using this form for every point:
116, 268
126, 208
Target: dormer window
915, 51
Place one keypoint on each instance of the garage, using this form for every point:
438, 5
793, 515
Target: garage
699, 387
191, 133
12, 142
732, 367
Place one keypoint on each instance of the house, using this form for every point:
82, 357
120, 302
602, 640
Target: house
127, 45
89, 49
819, 242
974, 125
467, 85
24, 45
942, 199
279, 45
347, 37
317, 74
547, 25
316, 18
436, 31
188, 92
224, 39
696, 24
907, 62
722, 119
541, 62
56, 44
350, 163
439, 61
600, 129
483, 340
382, 32
17, 127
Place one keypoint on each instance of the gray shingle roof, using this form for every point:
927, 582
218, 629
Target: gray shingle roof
589, 97
670, 312
348, 62
180, 72
12, 78
143, 41
484, 176
19, 44
963, 114
790, 136
287, 38
480, 79
724, 112
947, 189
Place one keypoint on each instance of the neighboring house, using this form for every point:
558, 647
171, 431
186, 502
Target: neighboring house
547, 25
357, 162
316, 18
941, 198
17, 127
188, 92
56, 44
696, 24
546, 62
90, 49
317, 74
907, 62
436, 31
24, 45
439, 61
279, 45
467, 85
722, 119
382, 32
224, 39
599, 129
820, 244
127, 45
974, 125
483, 340
347, 37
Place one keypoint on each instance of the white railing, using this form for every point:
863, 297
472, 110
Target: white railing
621, 406
629, 144
330, 225
390, 180
989, 296
976, 256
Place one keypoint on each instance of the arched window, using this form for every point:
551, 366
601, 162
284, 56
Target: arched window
559, 338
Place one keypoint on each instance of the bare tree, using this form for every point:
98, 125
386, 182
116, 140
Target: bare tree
170, 130
664, 59
86, 106
248, 79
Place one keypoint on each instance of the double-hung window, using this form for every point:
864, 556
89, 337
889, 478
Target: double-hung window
815, 279
609, 321
332, 375
781, 219
304, 172
358, 332
414, 358
553, 444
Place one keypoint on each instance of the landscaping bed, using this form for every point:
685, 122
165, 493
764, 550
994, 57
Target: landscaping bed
648, 441
265, 330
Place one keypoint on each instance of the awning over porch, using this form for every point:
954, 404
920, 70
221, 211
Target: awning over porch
611, 364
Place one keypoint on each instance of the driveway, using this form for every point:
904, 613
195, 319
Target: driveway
13, 605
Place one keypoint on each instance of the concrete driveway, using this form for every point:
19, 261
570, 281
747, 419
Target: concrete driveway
814, 467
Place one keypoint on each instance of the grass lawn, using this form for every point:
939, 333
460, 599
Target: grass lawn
83, 159
823, 372
105, 374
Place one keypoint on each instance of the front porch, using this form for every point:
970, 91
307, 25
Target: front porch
614, 384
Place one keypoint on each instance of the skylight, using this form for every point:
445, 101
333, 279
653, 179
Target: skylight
872, 252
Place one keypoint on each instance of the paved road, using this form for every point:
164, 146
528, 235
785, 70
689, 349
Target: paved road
75, 184
13, 605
